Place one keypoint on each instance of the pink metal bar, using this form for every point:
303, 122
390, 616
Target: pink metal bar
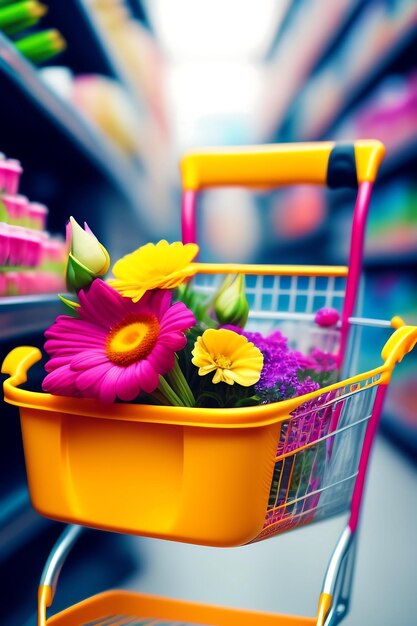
355, 260
188, 221
366, 450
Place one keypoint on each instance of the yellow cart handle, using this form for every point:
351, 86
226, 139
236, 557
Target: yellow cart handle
265, 166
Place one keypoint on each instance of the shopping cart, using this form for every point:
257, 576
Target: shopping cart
224, 477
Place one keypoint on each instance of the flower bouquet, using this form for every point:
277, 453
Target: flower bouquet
147, 336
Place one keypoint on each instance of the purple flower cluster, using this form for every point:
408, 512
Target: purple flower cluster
280, 374
287, 373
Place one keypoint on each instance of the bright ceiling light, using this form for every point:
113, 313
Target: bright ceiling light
215, 29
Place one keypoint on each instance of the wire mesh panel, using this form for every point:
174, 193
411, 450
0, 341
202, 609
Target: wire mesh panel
294, 294
286, 302
317, 458
268, 294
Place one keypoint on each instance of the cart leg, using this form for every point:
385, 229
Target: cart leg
335, 596
53, 568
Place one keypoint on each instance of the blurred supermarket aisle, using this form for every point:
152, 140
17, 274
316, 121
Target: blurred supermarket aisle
100, 99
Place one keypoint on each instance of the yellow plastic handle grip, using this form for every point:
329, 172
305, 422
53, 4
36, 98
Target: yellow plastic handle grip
274, 164
17, 364
399, 344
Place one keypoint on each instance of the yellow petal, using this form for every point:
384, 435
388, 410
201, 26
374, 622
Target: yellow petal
215, 347
154, 266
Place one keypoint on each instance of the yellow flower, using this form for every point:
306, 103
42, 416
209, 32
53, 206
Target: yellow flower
231, 356
160, 266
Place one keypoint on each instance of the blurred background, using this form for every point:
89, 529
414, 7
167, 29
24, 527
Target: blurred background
99, 101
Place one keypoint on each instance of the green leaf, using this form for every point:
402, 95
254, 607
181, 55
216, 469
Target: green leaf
71, 306
77, 275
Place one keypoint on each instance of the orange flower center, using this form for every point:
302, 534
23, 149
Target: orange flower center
132, 339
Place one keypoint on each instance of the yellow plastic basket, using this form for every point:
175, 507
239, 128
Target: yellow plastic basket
219, 477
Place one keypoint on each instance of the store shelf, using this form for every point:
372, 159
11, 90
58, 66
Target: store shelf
353, 92
88, 50
90, 19
398, 159
390, 261
308, 57
139, 12
126, 175
23, 315
89, 139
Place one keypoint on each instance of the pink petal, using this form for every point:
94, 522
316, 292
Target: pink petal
108, 384
178, 317
57, 361
57, 347
159, 301
53, 347
60, 382
76, 327
88, 359
127, 386
94, 299
90, 377
147, 376
161, 359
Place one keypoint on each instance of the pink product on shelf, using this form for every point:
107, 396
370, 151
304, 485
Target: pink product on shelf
17, 247
3, 284
13, 284
25, 247
10, 171
49, 282
37, 214
54, 250
4, 243
30, 283
20, 283
57, 282
33, 256
17, 209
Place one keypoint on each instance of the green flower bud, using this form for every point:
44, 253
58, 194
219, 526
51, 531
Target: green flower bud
230, 303
87, 258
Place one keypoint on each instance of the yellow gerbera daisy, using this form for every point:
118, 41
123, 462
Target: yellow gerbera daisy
153, 266
231, 356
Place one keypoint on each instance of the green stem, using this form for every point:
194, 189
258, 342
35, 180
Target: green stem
166, 390
178, 381
158, 395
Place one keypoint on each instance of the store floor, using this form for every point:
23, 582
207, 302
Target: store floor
284, 574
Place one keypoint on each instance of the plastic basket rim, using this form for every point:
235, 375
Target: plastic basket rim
234, 417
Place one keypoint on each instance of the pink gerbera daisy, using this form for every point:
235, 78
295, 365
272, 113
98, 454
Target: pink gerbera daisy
116, 347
